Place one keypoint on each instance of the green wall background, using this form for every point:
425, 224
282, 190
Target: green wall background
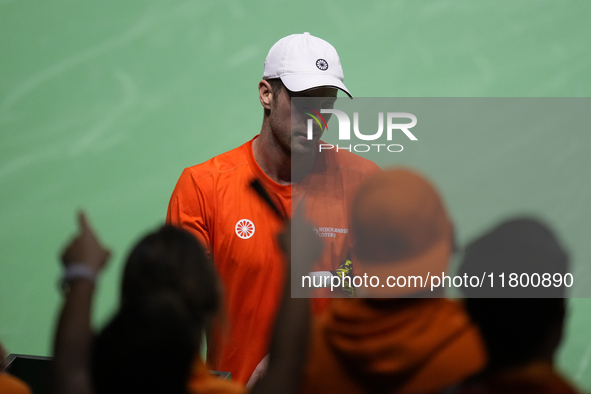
102, 104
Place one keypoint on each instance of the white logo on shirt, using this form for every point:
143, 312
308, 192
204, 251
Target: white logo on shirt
244, 228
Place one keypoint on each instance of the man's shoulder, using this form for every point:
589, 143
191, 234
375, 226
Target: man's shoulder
232, 160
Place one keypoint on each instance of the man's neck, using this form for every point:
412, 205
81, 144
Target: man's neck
277, 163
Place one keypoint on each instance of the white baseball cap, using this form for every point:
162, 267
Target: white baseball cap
303, 62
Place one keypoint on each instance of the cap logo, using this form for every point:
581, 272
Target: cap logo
322, 64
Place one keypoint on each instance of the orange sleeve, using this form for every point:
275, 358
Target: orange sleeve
188, 207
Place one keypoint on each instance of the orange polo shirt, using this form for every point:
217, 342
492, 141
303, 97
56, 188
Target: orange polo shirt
214, 201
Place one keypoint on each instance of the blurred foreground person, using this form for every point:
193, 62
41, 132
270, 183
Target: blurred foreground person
522, 332
169, 294
8, 383
396, 341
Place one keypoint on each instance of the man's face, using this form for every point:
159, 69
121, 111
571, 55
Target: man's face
290, 126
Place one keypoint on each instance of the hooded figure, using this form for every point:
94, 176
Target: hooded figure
392, 338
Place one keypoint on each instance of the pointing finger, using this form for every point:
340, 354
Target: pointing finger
83, 223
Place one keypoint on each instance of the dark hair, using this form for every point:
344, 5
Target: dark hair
517, 324
147, 348
171, 259
276, 86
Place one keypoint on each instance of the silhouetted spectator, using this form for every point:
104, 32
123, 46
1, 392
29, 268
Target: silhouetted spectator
169, 289
522, 325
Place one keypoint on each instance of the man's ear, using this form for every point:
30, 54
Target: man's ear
265, 94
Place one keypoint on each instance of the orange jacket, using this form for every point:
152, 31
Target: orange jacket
392, 346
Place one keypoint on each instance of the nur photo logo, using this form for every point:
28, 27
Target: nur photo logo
392, 126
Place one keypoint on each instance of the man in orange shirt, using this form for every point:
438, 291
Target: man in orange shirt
215, 202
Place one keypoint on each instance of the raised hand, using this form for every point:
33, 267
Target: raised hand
86, 248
